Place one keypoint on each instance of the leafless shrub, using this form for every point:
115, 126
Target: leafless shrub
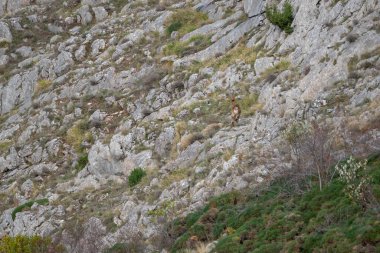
311, 148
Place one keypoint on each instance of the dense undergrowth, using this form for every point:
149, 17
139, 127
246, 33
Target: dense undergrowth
280, 219
25, 244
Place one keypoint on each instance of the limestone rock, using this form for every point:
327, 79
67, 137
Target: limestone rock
80, 53
27, 187
5, 32
94, 2
19, 91
254, 7
63, 63
100, 13
97, 46
84, 15
263, 64
164, 141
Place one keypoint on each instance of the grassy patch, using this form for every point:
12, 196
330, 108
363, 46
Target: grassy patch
28, 204
135, 177
5, 145
193, 45
26, 244
77, 134
282, 19
276, 69
42, 86
174, 176
278, 219
240, 53
185, 21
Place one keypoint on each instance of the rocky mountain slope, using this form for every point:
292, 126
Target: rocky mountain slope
93, 89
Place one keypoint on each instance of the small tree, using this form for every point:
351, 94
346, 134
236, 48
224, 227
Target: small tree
311, 148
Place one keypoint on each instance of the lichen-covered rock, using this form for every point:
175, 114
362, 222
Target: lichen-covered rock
5, 32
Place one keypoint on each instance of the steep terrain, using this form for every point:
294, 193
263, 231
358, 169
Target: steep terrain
92, 90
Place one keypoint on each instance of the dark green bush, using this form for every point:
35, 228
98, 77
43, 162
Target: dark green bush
28, 204
82, 162
175, 26
25, 244
282, 19
136, 175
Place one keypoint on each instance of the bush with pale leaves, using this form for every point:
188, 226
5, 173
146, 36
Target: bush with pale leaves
352, 173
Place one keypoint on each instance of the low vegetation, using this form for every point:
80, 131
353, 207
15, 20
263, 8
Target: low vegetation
135, 177
276, 69
82, 162
279, 218
4, 145
79, 133
25, 244
184, 21
193, 45
282, 19
28, 204
238, 53
42, 86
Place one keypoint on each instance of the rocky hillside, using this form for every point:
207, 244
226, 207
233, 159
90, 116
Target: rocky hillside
115, 114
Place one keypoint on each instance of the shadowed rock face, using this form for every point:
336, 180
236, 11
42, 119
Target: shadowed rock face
91, 90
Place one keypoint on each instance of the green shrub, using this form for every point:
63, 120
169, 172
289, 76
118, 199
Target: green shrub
28, 204
174, 26
25, 244
82, 162
136, 175
282, 19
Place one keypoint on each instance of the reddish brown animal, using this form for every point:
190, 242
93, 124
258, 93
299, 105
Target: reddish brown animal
235, 111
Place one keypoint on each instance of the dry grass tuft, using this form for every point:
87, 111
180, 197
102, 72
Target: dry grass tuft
211, 129
189, 139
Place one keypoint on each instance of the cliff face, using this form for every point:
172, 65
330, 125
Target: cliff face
92, 89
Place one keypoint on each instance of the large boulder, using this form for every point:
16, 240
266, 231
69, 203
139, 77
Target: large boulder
94, 2
15, 5
3, 7
254, 7
100, 13
5, 33
63, 63
164, 141
18, 91
84, 15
